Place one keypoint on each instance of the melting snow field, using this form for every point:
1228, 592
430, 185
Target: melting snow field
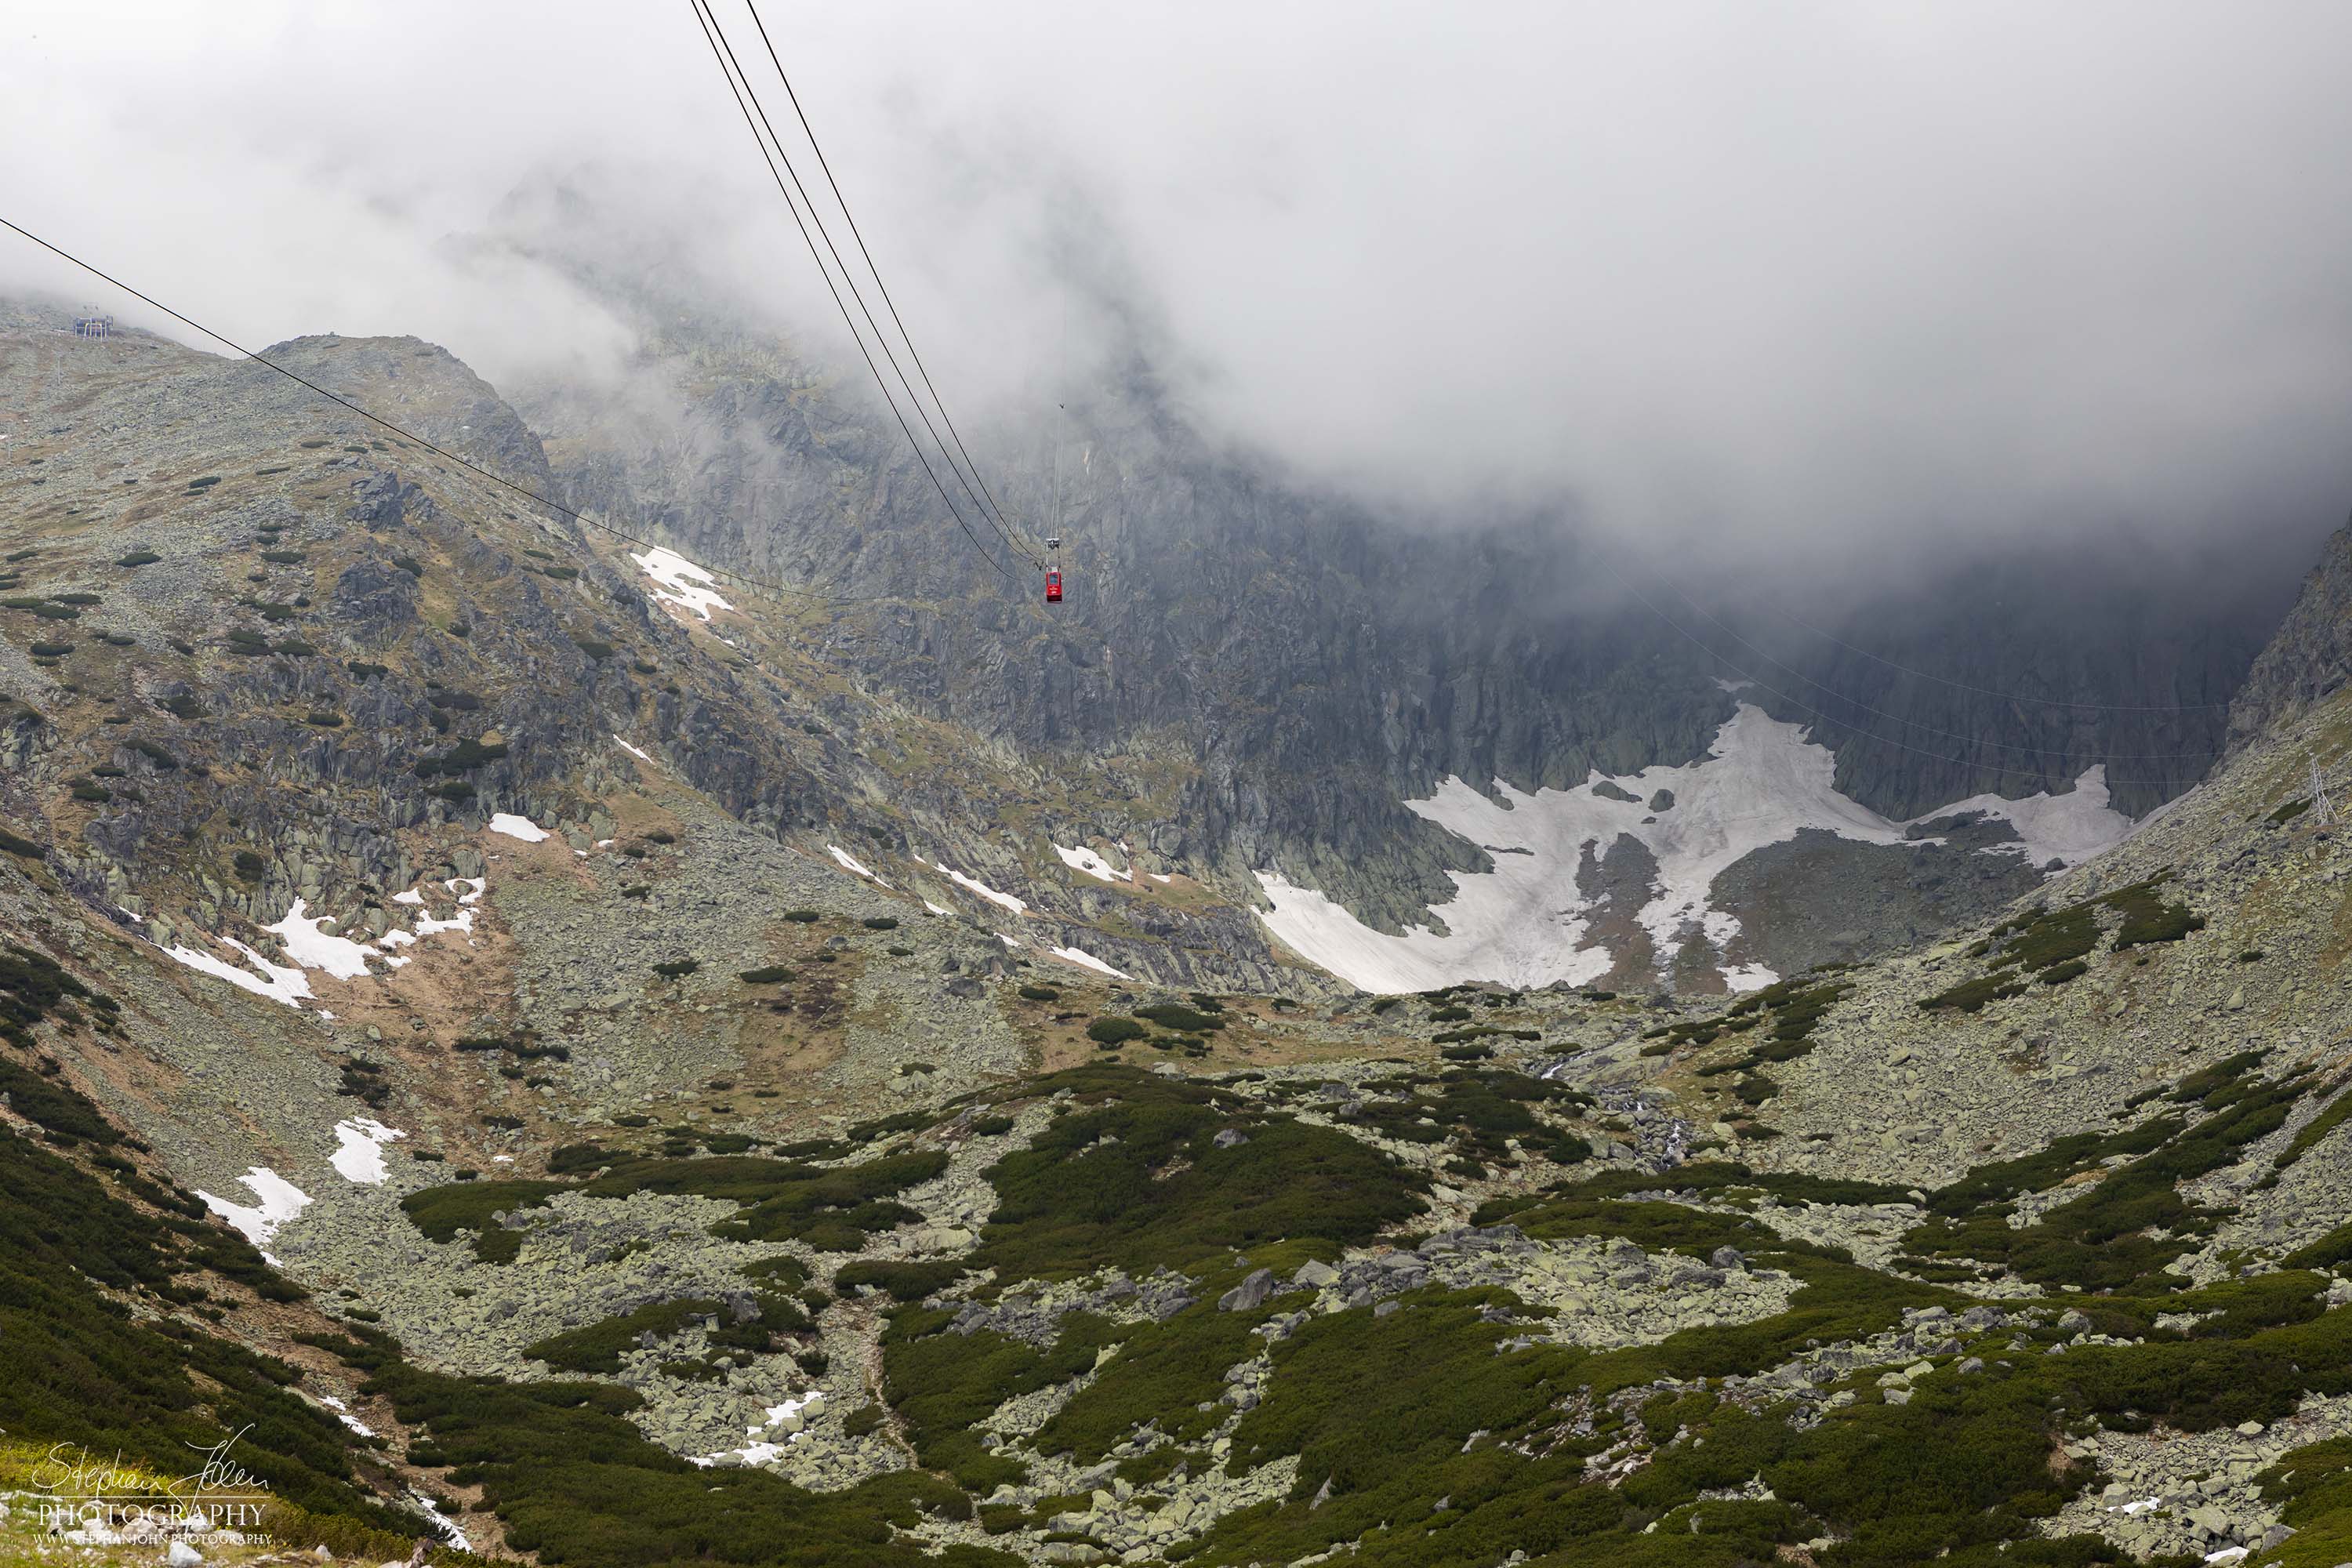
285, 986
360, 1158
311, 946
683, 583
974, 885
280, 1201
1526, 922
1085, 859
448, 1526
772, 1435
1085, 959
344, 1414
850, 863
521, 828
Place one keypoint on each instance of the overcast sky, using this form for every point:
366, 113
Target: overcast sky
1852, 277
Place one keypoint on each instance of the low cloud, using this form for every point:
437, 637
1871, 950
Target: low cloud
1849, 284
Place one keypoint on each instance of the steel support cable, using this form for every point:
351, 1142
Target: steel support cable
746, 579
747, 98
722, 56
888, 301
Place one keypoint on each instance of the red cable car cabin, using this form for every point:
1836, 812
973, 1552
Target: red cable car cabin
1053, 587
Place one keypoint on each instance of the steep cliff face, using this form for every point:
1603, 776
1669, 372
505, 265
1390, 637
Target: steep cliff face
1317, 665
2310, 657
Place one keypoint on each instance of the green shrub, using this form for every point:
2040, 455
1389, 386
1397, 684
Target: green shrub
1108, 1032
599, 1347
138, 558
880, 922
677, 968
1077, 1200
901, 1281
767, 974
1182, 1019
804, 917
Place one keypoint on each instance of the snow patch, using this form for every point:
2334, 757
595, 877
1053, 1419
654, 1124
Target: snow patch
1526, 922
682, 582
935, 908
410, 897
641, 756
344, 1414
462, 920
1085, 959
281, 1200
974, 885
360, 1158
514, 826
286, 985
442, 1521
311, 948
850, 863
1085, 859
780, 1427
2069, 828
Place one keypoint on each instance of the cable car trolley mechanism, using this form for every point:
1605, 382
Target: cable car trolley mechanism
1054, 572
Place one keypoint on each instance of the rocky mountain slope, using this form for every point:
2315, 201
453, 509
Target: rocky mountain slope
575, 1069
1324, 666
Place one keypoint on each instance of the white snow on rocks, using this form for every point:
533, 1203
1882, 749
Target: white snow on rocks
1085, 959
780, 1427
683, 583
935, 908
1085, 859
344, 1414
411, 897
851, 863
280, 1201
2070, 827
462, 920
641, 756
974, 885
360, 1158
286, 985
1526, 922
442, 1521
514, 826
311, 948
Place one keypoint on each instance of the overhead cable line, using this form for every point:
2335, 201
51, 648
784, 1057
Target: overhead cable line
764, 585
731, 68
842, 202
